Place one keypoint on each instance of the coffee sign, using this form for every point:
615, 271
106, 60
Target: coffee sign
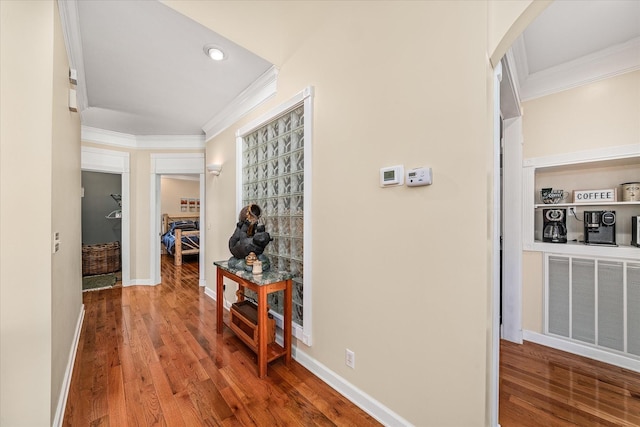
595, 196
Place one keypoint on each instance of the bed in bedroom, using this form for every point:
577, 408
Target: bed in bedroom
181, 235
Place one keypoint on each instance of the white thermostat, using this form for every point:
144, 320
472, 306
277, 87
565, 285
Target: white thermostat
392, 175
419, 176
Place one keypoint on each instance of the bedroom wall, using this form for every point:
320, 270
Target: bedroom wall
39, 307
599, 115
392, 267
97, 203
173, 189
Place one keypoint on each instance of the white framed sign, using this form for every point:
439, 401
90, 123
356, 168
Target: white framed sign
595, 196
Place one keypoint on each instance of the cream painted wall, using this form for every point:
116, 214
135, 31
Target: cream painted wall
417, 316
66, 290
39, 306
532, 291
173, 189
602, 114
599, 115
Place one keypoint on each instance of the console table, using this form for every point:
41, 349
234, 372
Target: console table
262, 285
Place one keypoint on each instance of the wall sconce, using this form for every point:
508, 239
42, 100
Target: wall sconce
214, 169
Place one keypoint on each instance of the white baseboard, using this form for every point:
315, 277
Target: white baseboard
583, 350
66, 381
361, 399
140, 282
202, 283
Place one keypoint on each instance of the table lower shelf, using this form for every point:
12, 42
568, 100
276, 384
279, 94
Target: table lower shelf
274, 350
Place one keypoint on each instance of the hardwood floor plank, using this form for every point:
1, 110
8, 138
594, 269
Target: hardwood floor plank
116, 399
544, 386
151, 356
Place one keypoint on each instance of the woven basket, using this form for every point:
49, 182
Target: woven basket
101, 258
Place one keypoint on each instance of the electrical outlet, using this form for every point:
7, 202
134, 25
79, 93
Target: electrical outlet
350, 358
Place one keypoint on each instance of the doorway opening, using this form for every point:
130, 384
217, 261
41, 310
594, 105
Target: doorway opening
180, 219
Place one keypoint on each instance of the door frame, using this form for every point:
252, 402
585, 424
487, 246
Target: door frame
115, 162
173, 164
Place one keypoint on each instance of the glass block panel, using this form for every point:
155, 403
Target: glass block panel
284, 223
272, 186
284, 165
284, 185
297, 206
263, 150
285, 144
284, 246
274, 300
272, 149
296, 248
263, 171
297, 226
253, 156
272, 130
297, 183
297, 291
297, 314
273, 177
297, 139
297, 118
274, 169
284, 205
284, 124
263, 135
297, 163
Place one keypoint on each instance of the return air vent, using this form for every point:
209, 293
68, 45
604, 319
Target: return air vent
594, 301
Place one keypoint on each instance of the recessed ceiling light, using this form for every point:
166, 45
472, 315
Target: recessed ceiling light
214, 53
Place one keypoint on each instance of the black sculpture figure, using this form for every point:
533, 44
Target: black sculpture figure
249, 236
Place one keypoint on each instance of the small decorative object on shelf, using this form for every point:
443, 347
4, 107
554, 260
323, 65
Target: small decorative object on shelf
591, 196
631, 192
550, 196
248, 241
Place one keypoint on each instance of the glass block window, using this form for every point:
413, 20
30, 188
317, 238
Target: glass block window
273, 178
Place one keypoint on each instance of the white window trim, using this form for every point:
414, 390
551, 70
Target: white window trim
304, 97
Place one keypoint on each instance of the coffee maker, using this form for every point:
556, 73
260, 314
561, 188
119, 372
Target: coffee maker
555, 225
600, 228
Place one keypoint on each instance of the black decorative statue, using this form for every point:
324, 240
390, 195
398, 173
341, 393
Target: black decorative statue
249, 237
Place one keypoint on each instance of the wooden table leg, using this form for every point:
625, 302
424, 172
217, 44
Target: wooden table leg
287, 321
219, 299
262, 332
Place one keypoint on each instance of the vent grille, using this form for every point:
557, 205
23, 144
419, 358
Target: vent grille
594, 301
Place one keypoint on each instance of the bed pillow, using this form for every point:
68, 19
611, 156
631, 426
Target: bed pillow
183, 225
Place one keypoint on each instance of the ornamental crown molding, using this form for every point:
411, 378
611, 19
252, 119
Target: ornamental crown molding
260, 90
613, 61
142, 142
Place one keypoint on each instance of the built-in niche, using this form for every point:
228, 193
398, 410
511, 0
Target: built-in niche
101, 222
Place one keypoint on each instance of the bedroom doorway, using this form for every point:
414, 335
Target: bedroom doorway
171, 165
180, 211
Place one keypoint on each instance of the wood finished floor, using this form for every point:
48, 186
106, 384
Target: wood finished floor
149, 355
540, 386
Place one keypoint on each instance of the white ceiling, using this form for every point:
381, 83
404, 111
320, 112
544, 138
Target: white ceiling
576, 42
142, 69
146, 72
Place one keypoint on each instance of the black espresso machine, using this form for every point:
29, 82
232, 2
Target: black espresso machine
600, 228
554, 225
